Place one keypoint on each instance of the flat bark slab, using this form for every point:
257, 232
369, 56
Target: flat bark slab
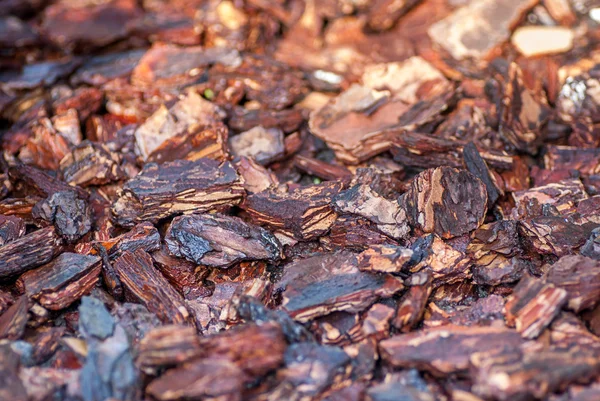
446, 201
29, 251
332, 282
160, 191
61, 282
534, 374
445, 350
304, 213
219, 240
139, 276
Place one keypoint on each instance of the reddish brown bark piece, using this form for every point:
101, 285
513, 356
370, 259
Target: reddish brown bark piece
216, 379
352, 232
272, 85
580, 278
67, 125
522, 113
554, 235
338, 328
384, 258
184, 275
105, 22
90, 164
168, 345
254, 349
256, 177
243, 354
14, 319
149, 287
533, 305
586, 161
485, 311
11, 228
142, 236
11, 386
304, 213
332, 282
29, 251
433, 256
160, 191
447, 349
329, 172
299, 379
411, 306
416, 149
563, 195
376, 322
61, 282
80, 103
171, 66
42, 182
98, 70
219, 240
384, 13
496, 250
364, 120
264, 145
478, 167
366, 201
189, 115
6, 300
207, 142
288, 120
514, 376
445, 201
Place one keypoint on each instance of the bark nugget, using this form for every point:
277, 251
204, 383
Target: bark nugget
177, 187
29, 251
446, 201
149, 287
219, 240
303, 214
63, 281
